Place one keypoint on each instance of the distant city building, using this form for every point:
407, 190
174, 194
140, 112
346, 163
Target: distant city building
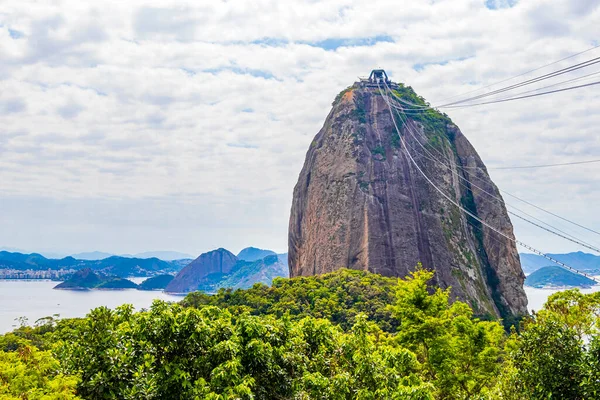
34, 274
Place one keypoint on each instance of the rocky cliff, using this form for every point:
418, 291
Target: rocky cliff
360, 203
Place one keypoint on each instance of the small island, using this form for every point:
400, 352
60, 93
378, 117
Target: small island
86, 279
555, 276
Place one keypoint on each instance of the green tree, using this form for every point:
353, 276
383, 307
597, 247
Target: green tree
556, 354
175, 352
28, 373
461, 354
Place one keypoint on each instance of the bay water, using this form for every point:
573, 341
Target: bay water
34, 299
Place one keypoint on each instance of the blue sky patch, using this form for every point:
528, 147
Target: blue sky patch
333, 44
242, 71
15, 34
499, 4
271, 42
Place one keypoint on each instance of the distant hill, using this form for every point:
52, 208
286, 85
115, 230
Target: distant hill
36, 261
283, 258
221, 269
557, 276
114, 265
84, 279
164, 255
178, 265
122, 266
92, 255
578, 260
158, 282
117, 283
246, 274
87, 279
217, 262
47, 254
254, 254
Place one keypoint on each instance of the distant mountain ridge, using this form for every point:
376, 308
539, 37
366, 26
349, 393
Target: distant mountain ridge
578, 260
114, 265
161, 255
254, 254
91, 255
164, 255
222, 269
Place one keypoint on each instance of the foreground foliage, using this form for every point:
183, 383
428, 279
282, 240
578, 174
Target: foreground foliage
345, 335
29, 373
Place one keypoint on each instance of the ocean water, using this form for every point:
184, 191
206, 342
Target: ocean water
537, 297
36, 299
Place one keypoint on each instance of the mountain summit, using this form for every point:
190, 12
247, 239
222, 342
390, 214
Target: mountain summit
360, 203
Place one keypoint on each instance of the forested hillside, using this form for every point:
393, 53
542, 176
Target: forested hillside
344, 335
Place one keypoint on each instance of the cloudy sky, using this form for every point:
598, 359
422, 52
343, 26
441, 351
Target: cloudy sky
128, 126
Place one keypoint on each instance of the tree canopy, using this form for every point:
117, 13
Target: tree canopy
344, 335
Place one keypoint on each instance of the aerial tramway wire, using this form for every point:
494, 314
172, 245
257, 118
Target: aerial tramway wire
525, 97
522, 95
554, 230
503, 191
545, 165
566, 70
521, 74
467, 211
560, 83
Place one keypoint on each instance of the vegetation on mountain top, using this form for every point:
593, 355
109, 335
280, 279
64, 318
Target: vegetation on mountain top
345, 335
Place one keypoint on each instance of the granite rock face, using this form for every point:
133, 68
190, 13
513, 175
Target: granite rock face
361, 203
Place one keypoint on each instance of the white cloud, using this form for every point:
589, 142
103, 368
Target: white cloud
127, 128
